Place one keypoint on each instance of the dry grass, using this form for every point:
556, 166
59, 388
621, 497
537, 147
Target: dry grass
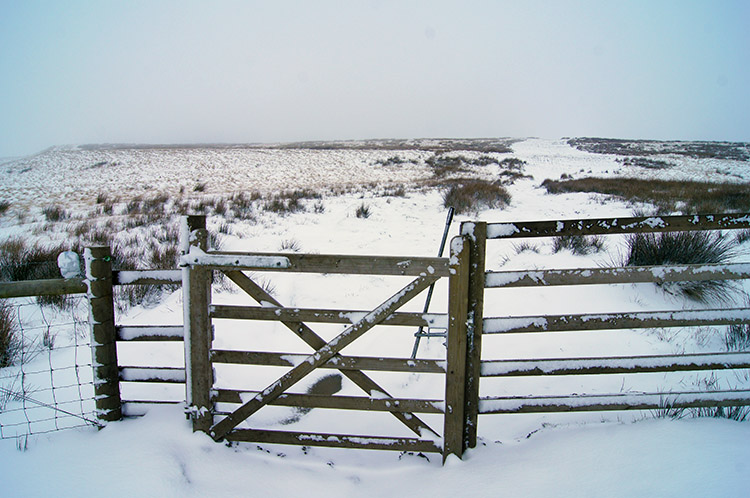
578, 244
669, 248
10, 343
670, 196
471, 195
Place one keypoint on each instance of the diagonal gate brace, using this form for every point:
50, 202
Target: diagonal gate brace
410, 420
322, 355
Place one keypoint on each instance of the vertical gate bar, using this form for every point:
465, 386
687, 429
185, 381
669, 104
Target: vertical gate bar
196, 286
103, 335
455, 376
477, 232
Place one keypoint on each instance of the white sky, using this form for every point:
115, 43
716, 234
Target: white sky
75, 72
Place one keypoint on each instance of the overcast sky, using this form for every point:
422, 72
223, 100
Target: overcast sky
74, 72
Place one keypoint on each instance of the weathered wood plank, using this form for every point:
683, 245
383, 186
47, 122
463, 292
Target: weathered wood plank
606, 226
455, 376
477, 233
333, 440
196, 288
49, 287
98, 262
147, 277
170, 375
612, 321
337, 362
333, 263
402, 405
617, 365
414, 423
613, 402
439, 320
150, 333
322, 355
625, 275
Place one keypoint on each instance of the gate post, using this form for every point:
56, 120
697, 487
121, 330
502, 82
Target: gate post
103, 336
196, 288
477, 232
455, 374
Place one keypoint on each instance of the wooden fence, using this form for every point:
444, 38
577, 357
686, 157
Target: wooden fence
463, 366
477, 367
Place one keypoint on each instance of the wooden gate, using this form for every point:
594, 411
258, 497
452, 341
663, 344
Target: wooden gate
198, 265
501, 323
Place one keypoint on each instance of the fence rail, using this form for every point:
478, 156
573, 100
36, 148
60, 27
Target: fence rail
219, 410
479, 233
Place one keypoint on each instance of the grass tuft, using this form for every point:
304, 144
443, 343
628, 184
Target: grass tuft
578, 244
10, 343
363, 211
55, 213
680, 248
471, 195
292, 245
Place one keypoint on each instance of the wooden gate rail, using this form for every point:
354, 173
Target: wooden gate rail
338, 362
480, 279
632, 274
614, 402
427, 320
325, 355
615, 365
334, 440
319, 263
401, 405
612, 226
614, 321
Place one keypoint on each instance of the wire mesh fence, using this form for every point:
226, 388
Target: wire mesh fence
49, 383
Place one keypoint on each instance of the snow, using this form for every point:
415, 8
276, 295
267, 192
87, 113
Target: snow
534, 455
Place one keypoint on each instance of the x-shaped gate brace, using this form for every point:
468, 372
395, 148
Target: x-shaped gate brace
324, 352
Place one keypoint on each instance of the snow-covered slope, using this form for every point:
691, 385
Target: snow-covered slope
616, 454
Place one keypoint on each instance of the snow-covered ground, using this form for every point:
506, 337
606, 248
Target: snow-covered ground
598, 454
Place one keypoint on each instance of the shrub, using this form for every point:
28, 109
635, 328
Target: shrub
513, 163
472, 194
445, 165
391, 161
10, 344
644, 162
164, 257
698, 197
4, 206
737, 337
742, 236
671, 248
578, 244
290, 245
200, 187
55, 213
363, 211
21, 262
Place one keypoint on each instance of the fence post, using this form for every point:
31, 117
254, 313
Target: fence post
477, 232
103, 336
196, 288
455, 375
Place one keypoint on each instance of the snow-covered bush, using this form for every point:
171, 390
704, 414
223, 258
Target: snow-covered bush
671, 248
471, 195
